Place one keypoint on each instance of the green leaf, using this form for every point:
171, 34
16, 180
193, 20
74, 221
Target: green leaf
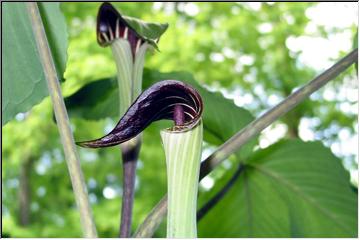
56, 33
149, 31
96, 100
291, 189
221, 117
23, 79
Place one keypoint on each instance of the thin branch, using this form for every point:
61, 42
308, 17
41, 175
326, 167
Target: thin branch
219, 195
62, 119
153, 220
243, 136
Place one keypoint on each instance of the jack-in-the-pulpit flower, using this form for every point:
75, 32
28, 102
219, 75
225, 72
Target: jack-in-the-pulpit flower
129, 39
182, 144
156, 103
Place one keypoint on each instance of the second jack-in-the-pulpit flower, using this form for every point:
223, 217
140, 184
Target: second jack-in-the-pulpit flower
177, 101
129, 39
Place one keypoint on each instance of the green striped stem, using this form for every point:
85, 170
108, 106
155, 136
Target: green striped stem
183, 152
138, 70
124, 64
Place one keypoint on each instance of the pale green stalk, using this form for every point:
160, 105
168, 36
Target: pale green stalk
183, 152
138, 70
129, 71
124, 63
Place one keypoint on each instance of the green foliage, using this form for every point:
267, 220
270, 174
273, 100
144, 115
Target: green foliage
149, 31
96, 100
23, 79
290, 189
56, 33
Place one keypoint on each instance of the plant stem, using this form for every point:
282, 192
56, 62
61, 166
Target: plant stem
25, 191
62, 119
130, 153
247, 133
124, 64
183, 152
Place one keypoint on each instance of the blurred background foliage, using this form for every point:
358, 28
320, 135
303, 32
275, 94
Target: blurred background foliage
255, 54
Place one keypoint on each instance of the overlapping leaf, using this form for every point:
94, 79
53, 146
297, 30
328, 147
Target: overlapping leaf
149, 31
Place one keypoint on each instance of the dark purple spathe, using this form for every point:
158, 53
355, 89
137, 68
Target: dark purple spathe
156, 103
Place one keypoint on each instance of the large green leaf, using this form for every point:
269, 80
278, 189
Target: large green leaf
222, 118
56, 33
95, 101
23, 78
291, 189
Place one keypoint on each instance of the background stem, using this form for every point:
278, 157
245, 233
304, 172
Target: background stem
130, 152
25, 190
247, 133
62, 119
